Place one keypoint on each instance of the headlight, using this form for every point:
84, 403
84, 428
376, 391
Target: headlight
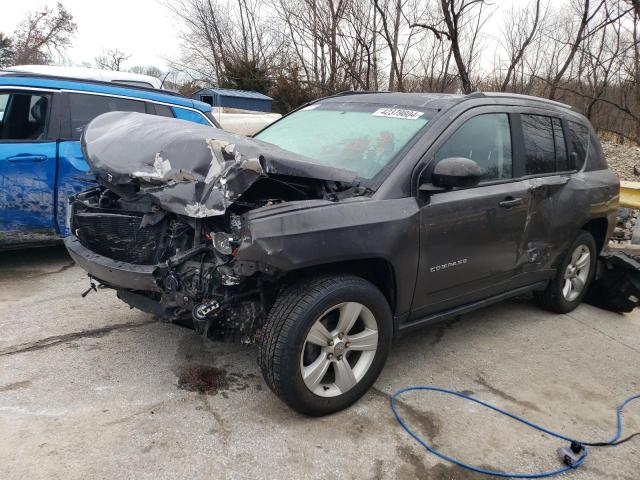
224, 242
227, 243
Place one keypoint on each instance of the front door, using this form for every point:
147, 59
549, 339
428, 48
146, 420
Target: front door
27, 167
470, 239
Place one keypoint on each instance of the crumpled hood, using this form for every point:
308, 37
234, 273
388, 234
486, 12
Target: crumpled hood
187, 168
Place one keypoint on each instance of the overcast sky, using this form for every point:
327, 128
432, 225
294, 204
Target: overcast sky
143, 28
146, 29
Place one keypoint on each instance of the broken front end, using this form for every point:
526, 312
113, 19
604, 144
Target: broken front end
165, 226
168, 265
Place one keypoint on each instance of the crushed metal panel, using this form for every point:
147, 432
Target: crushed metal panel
188, 169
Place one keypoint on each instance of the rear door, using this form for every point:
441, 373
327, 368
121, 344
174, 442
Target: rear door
470, 239
28, 153
550, 161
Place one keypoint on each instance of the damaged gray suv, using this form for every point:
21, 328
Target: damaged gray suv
345, 224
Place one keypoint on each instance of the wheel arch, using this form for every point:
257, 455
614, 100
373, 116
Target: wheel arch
598, 228
378, 271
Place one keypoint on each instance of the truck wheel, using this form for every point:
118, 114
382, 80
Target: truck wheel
565, 292
325, 342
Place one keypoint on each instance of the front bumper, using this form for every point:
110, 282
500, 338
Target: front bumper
112, 272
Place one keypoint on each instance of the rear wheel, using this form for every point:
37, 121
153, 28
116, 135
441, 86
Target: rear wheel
325, 342
565, 292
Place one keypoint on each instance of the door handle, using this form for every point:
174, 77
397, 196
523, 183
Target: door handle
27, 158
510, 202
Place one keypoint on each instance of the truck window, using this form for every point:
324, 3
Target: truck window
579, 143
485, 139
23, 116
85, 107
539, 144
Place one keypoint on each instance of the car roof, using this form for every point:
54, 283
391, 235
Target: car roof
439, 101
31, 80
88, 74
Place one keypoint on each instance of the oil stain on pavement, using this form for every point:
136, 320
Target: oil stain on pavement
209, 380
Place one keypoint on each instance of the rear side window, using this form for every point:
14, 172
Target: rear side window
85, 108
539, 144
163, 110
485, 139
562, 163
579, 143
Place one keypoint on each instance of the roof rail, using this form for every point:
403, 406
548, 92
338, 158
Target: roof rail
340, 94
358, 92
9, 73
518, 96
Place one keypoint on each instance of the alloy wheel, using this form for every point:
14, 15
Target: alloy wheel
576, 273
339, 349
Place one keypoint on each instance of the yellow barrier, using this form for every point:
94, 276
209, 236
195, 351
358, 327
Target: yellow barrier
630, 194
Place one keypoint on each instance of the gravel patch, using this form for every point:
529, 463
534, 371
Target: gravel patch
626, 222
622, 159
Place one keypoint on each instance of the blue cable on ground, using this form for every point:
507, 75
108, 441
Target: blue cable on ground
549, 473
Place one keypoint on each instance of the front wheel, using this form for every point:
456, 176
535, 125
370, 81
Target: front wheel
325, 342
565, 292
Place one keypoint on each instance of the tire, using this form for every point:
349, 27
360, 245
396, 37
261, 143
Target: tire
289, 349
554, 297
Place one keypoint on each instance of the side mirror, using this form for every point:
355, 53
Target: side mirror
456, 172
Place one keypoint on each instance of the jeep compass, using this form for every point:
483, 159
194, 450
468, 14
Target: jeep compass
344, 224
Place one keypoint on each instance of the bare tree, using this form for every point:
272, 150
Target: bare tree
43, 34
314, 30
599, 57
361, 31
519, 33
390, 23
609, 86
435, 61
397, 21
112, 59
588, 13
456, 13
6, 51
226, 42
585, 51
150, 70
636, 6
334, 42
460, 25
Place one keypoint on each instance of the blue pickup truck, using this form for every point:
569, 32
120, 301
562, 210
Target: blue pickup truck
41, 163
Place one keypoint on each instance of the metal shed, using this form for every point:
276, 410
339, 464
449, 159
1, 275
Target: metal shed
227, 97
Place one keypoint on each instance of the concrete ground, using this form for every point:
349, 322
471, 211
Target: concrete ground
92, 389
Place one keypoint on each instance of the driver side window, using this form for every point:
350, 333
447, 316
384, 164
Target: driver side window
485, 139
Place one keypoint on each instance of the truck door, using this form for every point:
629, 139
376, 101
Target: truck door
27, 167
470, 238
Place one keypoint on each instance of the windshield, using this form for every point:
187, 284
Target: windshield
364, 138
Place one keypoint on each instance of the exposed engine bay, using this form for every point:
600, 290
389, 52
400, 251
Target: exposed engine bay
171, 205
